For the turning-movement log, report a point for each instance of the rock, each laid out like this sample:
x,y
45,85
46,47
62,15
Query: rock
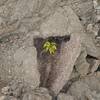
x,y
78,89
24,9
27,62
93,65
22,16
95,3
63,96
14,88
63,22
91,49
26,93
58,25
2,98
5,90
2,2
94,86
10,98
38,94
19,60
18,56
86,88
82,66
65,62
85,65
83,8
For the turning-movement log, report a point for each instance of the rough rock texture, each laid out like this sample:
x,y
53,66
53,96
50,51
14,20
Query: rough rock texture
x,y
82,66
62,70
18,60
83,8
38,94
26,68
63,96
63,22
20,92
86,88
22,21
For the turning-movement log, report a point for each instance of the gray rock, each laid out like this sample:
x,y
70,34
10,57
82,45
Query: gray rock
x,y
5,90
86,88
14,89
83,8
59,25
78,90
82,66
65,63
26,65
2,2
2,97
24,9
63,22
91,48
63,96
28,94
19,60
10,98
54,27
94,86
18,57
38,94
93,65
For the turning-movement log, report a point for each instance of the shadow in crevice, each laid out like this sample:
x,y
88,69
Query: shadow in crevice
x,y
46,62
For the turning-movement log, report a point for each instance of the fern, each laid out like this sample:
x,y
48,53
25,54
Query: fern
x,y
50,47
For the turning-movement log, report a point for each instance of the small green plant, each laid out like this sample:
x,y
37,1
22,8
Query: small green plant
x,y
50,47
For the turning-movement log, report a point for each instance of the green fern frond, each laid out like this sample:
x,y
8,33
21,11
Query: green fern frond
x,y
50,47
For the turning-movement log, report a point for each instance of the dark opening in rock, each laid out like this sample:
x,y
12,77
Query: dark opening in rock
x,y
45,60
92,61
98,35
80,18
91,57
98,69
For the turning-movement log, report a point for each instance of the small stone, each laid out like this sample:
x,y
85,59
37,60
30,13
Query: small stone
x,y
2,98
5,90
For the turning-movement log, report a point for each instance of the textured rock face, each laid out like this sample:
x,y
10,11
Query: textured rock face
x,y
21,21
63,22
24,9
61,72
18,57
63,96
86,88
26,61
83,8
82,66
19,61
38,94
28,94
23,16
